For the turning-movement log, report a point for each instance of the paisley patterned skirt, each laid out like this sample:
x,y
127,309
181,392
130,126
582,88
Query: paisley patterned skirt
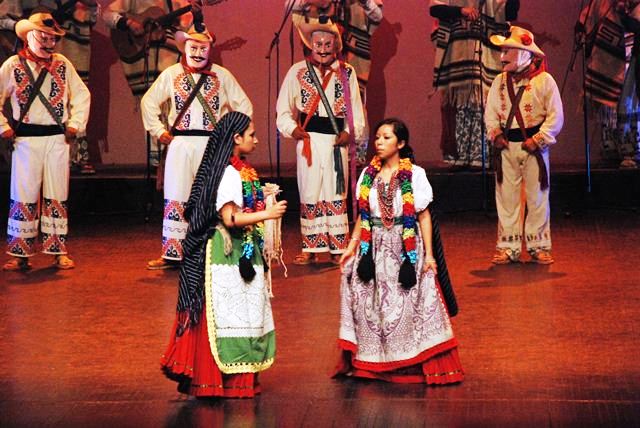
x,y
393,334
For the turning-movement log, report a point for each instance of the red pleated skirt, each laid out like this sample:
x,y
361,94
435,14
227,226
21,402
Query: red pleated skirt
x,y
188,361
439,365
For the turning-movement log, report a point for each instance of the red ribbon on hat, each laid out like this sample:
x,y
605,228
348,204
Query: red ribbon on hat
x,y
526,39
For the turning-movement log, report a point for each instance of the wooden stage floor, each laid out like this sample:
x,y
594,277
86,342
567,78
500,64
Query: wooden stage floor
x,y
541,346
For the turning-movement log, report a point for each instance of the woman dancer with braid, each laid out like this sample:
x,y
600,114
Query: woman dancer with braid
x,y
224,334
394,325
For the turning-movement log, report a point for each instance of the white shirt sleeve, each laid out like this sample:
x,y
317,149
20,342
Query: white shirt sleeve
x,y
554,119
492,109
236,97
5,91
357,108
422,191
230,189
79,99
359,183
158,93
286,110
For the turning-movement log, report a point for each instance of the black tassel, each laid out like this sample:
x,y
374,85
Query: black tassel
x,y
247,272
366,270
407,275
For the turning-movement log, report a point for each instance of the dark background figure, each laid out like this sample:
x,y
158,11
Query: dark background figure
x,y
465,65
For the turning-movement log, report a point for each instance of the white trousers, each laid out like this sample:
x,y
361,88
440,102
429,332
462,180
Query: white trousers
x,y
323,212
519,168
183,159
38,163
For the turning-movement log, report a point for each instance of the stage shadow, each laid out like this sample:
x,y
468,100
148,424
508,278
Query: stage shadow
x,y
35,276
157,274
514,275
228,45
384,46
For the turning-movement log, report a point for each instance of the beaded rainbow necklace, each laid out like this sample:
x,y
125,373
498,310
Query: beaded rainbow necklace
x,y
403,175
252,201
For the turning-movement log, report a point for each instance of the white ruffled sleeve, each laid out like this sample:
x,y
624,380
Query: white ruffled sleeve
x,y
230,189
359,183
422,191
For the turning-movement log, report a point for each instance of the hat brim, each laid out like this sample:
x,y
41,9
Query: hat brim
x,y
181,38
24,26
504,42
306,29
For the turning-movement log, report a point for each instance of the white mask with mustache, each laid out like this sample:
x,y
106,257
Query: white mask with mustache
x,y
515,60
41,49
197,53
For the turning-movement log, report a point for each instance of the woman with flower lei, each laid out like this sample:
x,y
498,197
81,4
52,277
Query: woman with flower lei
x,y
224,332
394,324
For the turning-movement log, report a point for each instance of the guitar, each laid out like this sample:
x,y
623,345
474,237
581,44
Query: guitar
x,y
132,48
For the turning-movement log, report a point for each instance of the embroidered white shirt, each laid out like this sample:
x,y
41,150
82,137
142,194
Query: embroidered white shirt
x,y
540,105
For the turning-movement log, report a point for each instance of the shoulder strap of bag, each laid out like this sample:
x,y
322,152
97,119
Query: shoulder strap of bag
x,y
515,102
39,94
32,96
192,96
205,105
323,97
515,106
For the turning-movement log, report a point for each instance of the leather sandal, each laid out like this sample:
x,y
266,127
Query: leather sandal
x,y
16,264
162,263
304,259
63,262
504,256
542,257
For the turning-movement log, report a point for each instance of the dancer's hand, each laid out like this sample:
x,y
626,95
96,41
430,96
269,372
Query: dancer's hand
x,y
70,135
349,252
136,28
277,210
470,13
7,138
430,264
299,133
166,138
342,139
500,142
529,145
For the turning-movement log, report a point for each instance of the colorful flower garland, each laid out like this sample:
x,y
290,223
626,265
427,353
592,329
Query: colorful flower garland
x,y
404,175
252,201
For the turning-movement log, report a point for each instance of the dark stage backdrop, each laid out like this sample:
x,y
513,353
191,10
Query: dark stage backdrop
x,y
400,81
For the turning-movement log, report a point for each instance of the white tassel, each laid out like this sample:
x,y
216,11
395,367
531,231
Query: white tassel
x,y
272,250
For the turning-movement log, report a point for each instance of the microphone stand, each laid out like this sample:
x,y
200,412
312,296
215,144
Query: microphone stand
x,y
483,140
275,43
580,45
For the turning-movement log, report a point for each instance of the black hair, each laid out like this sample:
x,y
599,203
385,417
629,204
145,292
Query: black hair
x,y
401,131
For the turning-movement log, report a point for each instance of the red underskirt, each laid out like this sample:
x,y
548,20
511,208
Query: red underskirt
x,y
436,366
188,361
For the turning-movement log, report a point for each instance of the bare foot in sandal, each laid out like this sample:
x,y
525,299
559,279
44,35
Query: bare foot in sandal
x,y
63,262
303,259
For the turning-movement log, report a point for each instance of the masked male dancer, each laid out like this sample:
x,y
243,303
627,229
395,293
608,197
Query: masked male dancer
x,y
523,117
50,105
323,135
357,21
193,115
